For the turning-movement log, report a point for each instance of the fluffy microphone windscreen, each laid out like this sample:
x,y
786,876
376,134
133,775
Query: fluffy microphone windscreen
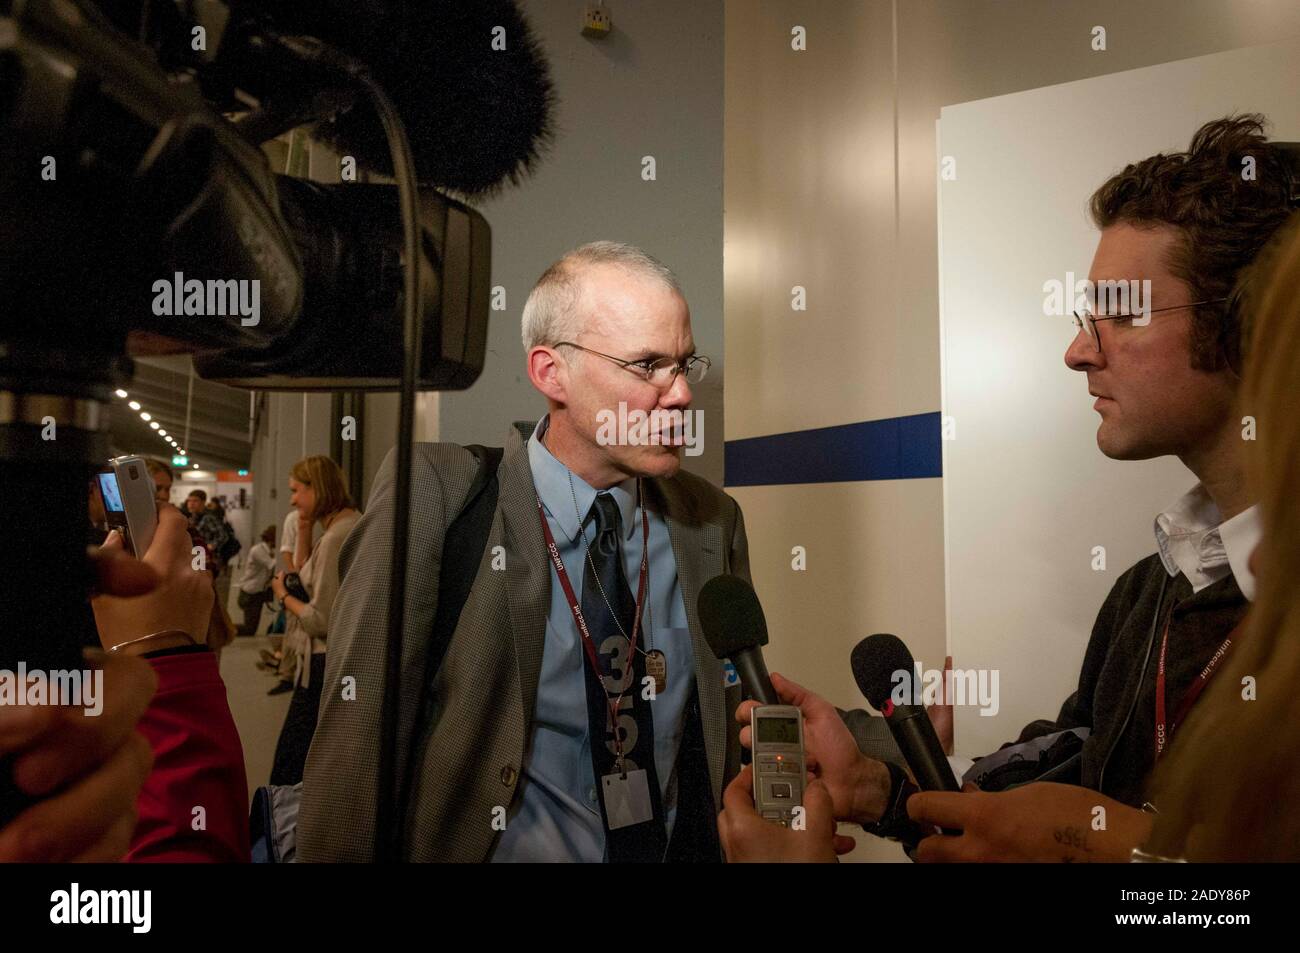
x,y
730,616
469,80
875,660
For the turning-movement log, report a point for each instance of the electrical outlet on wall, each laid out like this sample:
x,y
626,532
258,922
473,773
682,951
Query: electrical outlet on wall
x,y
595,20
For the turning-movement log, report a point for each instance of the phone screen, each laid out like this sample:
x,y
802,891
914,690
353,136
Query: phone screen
x,y
112,494
782,731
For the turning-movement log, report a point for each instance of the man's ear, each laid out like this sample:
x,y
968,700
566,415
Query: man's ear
x,y
548,372
1234,333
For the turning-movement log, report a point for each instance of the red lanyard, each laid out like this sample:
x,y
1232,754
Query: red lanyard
x,y
1193,690
587,642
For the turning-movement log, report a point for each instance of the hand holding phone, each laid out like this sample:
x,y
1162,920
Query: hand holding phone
x,y
182,600
126,489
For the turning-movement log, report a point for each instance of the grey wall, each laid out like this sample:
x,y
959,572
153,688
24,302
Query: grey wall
x,y
279,444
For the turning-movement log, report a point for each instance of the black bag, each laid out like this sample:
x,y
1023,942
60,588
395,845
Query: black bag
x,y
466,536
294,587
230,547
1054,757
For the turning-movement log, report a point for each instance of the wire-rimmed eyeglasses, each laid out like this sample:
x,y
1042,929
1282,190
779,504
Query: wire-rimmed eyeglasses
x,y
661,371
1087,322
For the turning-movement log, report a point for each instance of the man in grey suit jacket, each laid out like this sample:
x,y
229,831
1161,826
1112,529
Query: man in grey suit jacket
x,y
505,769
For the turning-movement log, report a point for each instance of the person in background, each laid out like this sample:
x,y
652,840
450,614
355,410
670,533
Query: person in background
x,y
254,583
289,560
214,515
205,530
162,479
319,492
203,525
198,761
294,553
222,544
195,503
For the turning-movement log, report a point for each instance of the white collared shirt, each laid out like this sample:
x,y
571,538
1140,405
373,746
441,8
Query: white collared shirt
x,y
1193,539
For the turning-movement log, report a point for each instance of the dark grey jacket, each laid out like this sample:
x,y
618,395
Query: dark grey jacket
x,y
1115,700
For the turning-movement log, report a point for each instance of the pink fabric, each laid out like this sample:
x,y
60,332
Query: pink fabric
x,y
198,763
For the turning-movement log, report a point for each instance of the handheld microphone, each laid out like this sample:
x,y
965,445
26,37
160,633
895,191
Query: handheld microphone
x,y
735,629
875,661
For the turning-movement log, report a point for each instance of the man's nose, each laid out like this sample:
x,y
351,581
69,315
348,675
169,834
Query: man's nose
x,y
1082,354
677,395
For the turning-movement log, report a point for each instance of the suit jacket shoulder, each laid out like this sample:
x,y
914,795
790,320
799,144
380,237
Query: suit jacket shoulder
x,y
698,499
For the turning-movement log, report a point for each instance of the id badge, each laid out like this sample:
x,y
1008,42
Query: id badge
x,y
627,799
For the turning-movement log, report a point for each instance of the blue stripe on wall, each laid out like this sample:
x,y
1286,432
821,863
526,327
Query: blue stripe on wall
x,y
898,448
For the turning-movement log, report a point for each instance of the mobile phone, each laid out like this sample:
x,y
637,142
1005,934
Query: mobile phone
x,y
779,768
126,488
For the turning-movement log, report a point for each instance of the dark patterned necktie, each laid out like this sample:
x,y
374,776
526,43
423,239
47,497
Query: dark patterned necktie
x,y
635,843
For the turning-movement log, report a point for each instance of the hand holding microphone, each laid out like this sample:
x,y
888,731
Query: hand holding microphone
x,y
775,792
863,789
1035,822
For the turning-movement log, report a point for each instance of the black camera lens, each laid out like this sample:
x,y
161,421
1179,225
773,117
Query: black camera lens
x,y
133,470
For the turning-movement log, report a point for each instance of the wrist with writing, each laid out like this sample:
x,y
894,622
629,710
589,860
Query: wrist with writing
x,y
872,785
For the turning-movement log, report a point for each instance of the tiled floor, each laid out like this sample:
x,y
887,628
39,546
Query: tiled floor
x,y
258,716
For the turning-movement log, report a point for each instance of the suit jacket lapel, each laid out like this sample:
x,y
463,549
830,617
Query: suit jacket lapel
x,y
697,547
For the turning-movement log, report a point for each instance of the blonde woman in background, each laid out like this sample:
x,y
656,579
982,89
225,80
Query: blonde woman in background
x,y
1229,786
319,493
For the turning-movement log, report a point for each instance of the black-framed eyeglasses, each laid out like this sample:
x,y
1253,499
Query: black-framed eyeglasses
x,y
660,371
1087,323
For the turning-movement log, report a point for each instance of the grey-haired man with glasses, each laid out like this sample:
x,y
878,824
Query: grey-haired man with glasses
x,y
577,714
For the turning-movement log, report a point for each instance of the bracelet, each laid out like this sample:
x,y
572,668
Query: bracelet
x,y
153,635
1139,856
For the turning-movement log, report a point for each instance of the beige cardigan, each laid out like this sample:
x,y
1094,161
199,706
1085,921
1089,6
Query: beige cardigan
x,y
320,577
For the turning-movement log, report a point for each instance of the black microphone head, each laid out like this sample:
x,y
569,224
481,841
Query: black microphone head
x,y
875,660
476,116
730,616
